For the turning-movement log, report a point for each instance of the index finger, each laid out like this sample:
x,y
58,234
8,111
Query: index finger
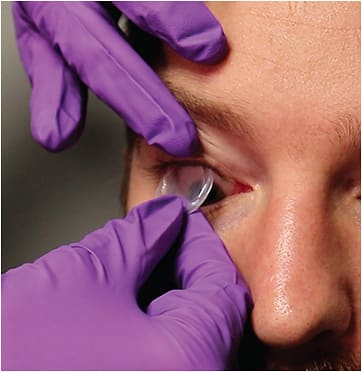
x,y
93,47
203,259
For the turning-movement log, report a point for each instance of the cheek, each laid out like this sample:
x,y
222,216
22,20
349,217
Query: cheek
x,y
233,222
227,215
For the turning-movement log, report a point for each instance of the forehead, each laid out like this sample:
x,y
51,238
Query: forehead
x,y
288,62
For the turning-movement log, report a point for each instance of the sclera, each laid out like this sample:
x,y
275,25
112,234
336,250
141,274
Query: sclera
x,y
192,182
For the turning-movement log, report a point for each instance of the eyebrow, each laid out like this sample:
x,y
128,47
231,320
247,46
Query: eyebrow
x,y
345,130
218,115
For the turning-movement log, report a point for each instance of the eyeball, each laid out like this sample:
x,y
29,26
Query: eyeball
x,y
193,183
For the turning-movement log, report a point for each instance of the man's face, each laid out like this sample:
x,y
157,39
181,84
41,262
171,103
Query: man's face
x,y
278,121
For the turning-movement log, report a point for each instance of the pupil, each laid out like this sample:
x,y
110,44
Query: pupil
x,y
215,195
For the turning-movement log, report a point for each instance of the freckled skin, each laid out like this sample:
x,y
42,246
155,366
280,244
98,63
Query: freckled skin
x,y
295,68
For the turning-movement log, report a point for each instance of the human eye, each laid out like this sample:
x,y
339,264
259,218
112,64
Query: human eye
x,y
216,194
188,177
222,188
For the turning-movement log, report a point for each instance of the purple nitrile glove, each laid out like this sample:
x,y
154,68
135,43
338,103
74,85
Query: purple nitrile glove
x,y
75,308
68,46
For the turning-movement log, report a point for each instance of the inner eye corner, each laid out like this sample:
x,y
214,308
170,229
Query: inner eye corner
x,y
242,188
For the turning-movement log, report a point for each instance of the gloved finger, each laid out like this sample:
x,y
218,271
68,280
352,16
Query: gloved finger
x,y
128,249
212,308
202,259
190,29
58,98
89,41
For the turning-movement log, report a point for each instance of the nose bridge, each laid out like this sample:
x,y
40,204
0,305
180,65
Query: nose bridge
x,y
296,244
295,291
293,227
284,246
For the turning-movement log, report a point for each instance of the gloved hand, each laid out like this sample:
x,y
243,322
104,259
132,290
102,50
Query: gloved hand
x,y
75,308
68,46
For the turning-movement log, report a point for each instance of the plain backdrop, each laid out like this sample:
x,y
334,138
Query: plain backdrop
x,y
52,199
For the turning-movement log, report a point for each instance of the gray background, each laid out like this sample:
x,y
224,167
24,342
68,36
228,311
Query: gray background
x,y
52,199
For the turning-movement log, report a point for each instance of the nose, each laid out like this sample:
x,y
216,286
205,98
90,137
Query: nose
x,y
296,270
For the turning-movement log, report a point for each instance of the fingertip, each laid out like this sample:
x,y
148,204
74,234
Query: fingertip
x,y
211,46
219,51
179,144
54,129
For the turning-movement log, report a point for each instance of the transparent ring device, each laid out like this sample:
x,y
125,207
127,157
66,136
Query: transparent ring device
x,y
193,183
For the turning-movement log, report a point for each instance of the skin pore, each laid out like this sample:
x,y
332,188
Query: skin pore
x,y
278,121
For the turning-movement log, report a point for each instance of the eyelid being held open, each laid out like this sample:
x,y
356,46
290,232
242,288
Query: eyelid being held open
x,y
228,204
229,212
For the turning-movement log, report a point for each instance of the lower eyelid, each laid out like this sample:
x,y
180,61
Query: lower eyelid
x,y
230,211
212,210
